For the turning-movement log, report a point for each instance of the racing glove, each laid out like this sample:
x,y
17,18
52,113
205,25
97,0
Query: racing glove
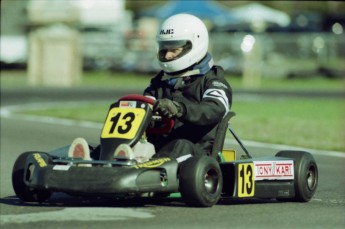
x,y
168,108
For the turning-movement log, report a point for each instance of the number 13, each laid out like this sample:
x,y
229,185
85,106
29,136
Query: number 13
x,y
245,180
122,123
122,129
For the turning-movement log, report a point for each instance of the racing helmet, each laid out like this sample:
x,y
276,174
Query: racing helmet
x,y
181,31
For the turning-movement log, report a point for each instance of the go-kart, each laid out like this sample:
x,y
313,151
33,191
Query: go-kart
x,y
200,181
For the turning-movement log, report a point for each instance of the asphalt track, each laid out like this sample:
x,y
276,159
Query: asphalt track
x,y
23,133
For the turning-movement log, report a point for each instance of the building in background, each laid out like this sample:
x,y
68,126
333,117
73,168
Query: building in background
x,y
102,25
118,38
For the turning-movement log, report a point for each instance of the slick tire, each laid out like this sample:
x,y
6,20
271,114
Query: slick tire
x,y
23,192
306,174
201,181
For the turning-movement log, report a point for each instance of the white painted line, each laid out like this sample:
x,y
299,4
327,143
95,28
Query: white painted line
x,y
78,214
278,147
9,112
40,106
54,121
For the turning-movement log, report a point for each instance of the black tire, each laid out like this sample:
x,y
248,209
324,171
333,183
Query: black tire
x,y
201,181
24,192
306,174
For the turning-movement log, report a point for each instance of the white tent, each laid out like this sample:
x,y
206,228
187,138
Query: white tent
x,y
258,13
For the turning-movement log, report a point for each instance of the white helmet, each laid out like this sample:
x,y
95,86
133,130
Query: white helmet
x,y
182,31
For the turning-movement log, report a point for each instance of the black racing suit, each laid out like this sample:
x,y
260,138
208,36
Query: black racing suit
x,y
206,99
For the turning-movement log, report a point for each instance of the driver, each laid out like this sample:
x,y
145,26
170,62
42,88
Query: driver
x,y
189,88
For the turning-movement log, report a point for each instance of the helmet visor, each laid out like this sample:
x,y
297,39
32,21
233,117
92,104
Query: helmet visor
x,y
172,50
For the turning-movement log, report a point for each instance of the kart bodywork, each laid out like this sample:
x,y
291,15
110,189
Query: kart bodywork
x,y
202,181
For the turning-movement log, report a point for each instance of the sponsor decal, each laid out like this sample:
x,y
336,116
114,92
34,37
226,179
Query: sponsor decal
x,y
61,167
274,170
152,163
40,160
218,84
167,31
128,104
183,158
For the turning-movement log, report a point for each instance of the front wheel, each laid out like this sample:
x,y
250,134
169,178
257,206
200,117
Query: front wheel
x,y
201,181
306,174
24,192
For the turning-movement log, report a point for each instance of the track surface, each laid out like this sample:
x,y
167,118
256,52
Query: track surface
x,y
325,210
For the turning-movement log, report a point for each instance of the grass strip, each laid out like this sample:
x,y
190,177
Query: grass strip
x,y
310,123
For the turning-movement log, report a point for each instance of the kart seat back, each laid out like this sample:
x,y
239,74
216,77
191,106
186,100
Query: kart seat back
x,y
221,133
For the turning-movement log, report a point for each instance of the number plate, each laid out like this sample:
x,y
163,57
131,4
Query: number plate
x,y
246,184
123,122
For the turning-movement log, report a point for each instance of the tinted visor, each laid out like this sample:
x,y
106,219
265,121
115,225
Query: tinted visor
x,y
172,50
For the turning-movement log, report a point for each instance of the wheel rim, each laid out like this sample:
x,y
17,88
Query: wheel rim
x,y
211,181
311,178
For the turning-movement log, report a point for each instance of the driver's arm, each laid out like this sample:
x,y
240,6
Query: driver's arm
x,y
214,105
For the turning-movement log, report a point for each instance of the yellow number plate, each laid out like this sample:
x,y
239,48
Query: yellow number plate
x,y
123,122
246,184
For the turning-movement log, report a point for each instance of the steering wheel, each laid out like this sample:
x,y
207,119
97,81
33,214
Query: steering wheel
x,y
136,97
167,123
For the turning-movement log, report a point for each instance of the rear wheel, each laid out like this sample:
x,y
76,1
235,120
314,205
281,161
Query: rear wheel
x,y
24,192
201,181
306,174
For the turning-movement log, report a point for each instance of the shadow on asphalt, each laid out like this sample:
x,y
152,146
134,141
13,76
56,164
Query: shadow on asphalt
x,y
64,200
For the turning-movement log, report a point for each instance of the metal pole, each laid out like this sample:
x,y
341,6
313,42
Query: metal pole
x,y
239,142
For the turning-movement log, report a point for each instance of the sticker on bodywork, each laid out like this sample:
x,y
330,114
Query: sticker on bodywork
x,y
40,161
128,104
245,178
274,170
61,167
123,122
152,163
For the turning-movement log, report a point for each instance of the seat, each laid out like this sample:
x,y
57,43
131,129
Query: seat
x,y
220,135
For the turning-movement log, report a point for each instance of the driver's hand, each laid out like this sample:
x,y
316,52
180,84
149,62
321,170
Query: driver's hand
x,y
168,108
